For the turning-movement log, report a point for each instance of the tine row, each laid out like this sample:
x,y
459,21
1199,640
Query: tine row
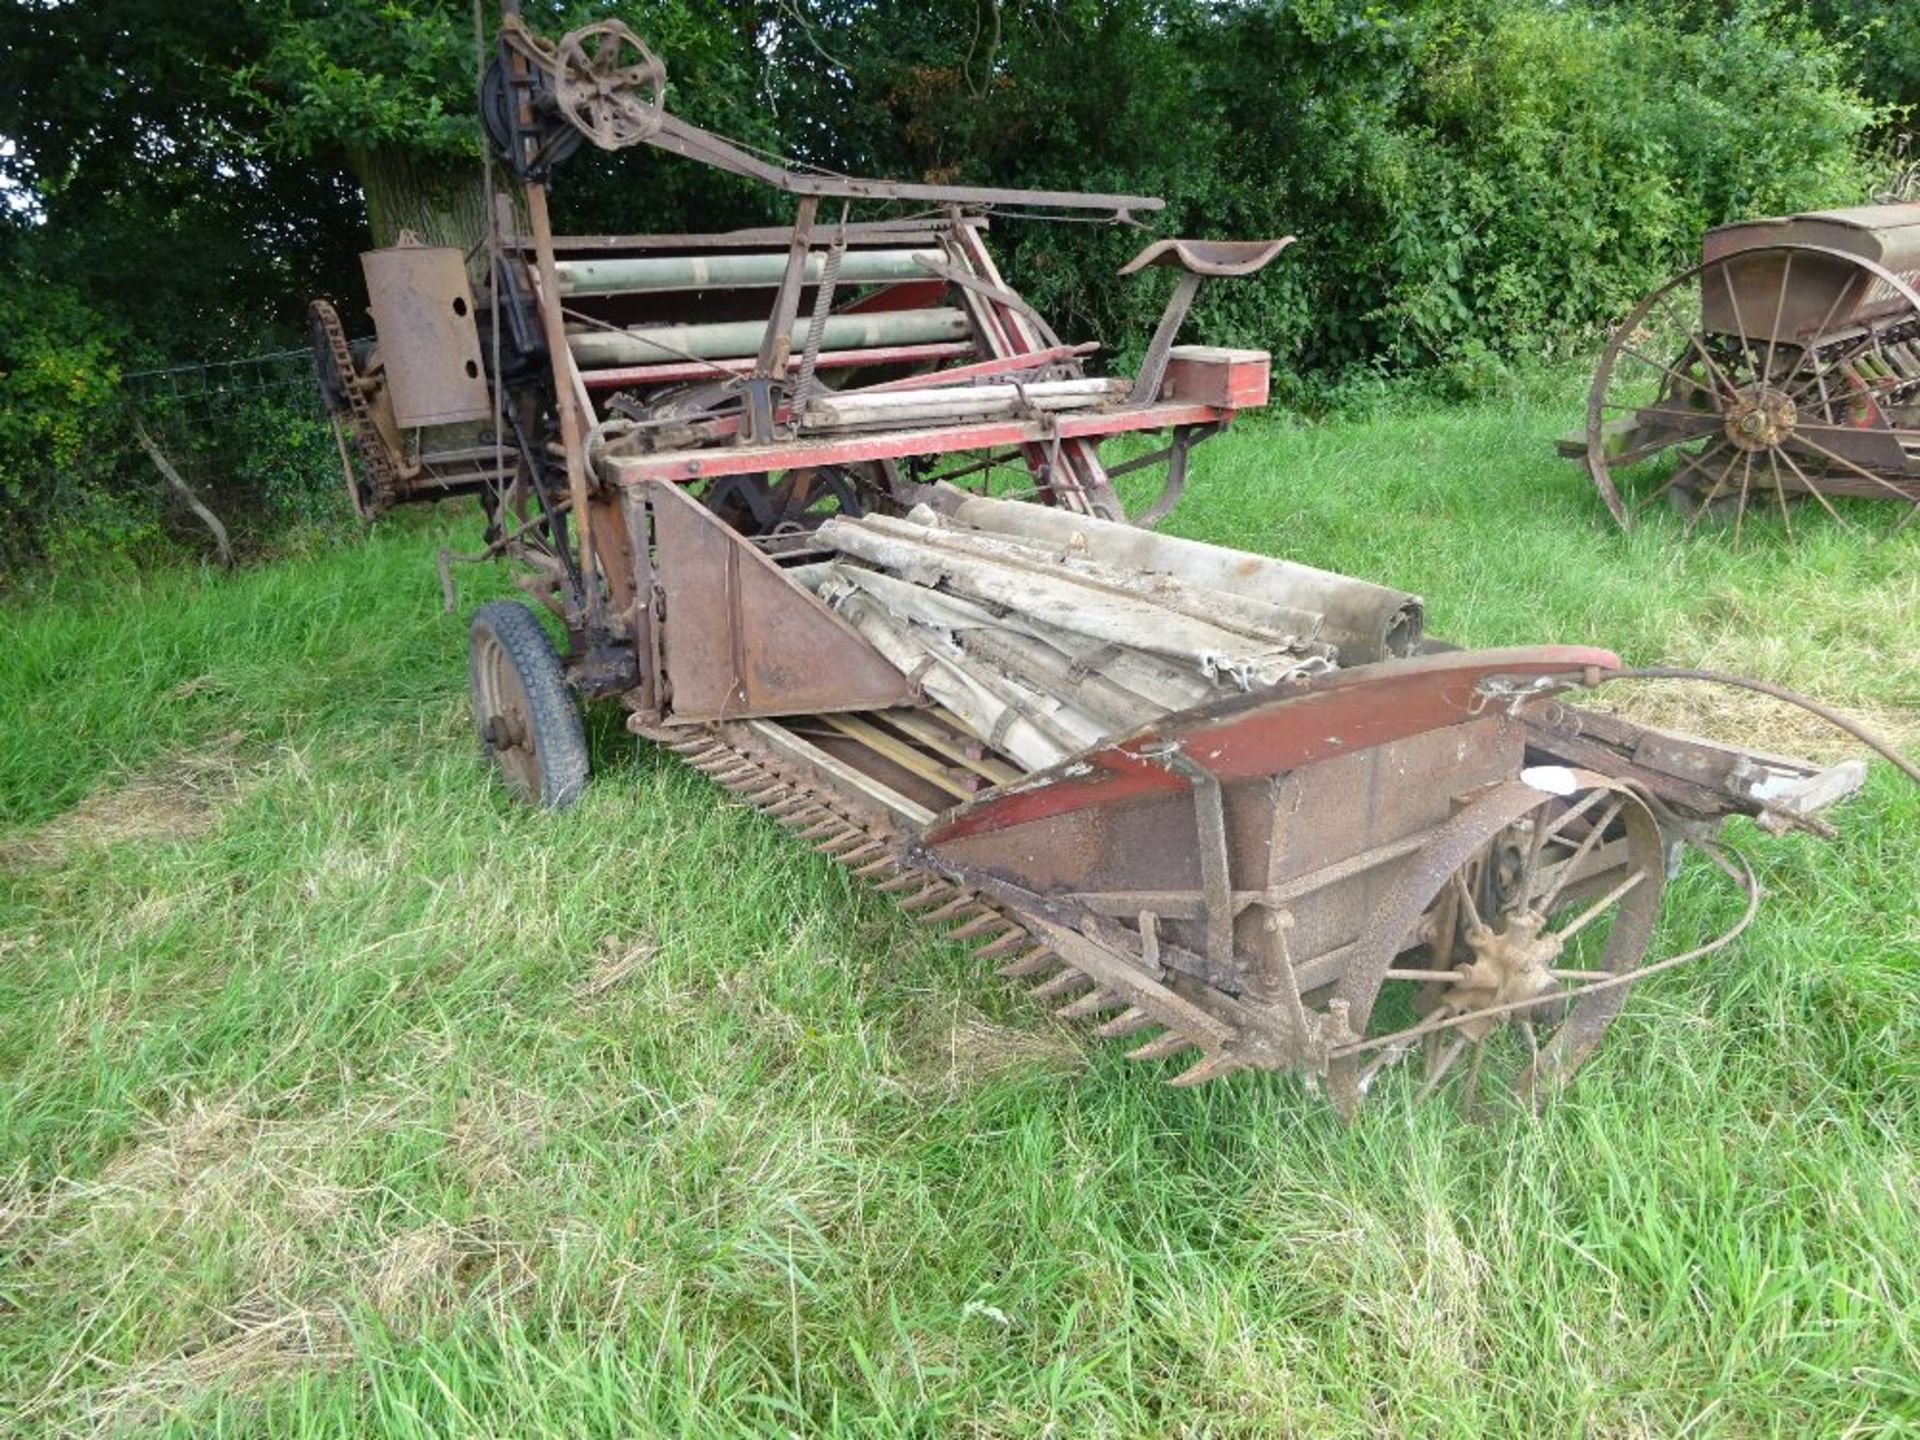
x,y
1130,1021
940,902
1210,1068
1170,1043
1033,961
1097,1003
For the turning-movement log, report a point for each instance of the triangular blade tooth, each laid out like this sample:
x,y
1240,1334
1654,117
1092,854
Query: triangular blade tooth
x,y
906,880
828,826
1031,963
1131,1022
979,925
930,895
1064,983
762,794
1161,1046
1210,1068
836,848
864,851
1087,1005
952,910
1001,944
788,807
875,867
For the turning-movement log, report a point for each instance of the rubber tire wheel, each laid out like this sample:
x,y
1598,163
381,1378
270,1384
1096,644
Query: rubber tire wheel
x,y
515,678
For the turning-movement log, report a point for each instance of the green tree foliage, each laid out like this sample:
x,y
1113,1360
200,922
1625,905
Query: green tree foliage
x,y
1474,182
57,407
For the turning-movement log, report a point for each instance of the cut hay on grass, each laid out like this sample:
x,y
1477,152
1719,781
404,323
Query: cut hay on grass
x,y
176,799
342,1097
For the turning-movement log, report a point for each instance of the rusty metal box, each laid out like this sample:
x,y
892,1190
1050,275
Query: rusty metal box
x,y
429,343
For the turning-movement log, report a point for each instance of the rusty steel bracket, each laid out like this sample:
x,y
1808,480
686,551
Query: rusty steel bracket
x,y
1174,456
778,340
1210,825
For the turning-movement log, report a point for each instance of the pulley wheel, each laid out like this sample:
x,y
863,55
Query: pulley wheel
x,y
611,88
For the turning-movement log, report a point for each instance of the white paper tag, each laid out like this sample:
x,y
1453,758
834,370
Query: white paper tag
x,y
1553,779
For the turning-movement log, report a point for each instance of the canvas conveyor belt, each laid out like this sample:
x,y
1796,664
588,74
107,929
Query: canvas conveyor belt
x,y
755,762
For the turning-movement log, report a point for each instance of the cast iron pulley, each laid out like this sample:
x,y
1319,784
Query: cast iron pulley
x,y
522,118
610,87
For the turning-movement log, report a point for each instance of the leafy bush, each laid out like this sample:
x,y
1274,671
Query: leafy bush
x,y
1477,182
61,428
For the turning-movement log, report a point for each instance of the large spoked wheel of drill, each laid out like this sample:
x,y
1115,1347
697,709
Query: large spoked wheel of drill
x,y
1516,909
1761,377
611,88
523,712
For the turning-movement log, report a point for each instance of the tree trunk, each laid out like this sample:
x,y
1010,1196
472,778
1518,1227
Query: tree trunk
x,y
441,200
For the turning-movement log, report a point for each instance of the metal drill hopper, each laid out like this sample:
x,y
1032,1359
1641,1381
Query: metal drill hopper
x,y
1785,366
824,507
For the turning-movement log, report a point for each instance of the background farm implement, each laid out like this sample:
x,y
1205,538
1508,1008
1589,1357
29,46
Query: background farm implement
x,y
1785,366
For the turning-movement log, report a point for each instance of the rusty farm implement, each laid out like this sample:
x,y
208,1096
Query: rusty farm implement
x,y
1784,366
824,507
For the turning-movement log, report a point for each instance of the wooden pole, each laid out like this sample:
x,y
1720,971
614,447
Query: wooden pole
x,y
573,440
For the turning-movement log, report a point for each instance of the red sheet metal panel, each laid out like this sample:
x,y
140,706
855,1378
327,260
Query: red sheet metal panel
x,y
1329,715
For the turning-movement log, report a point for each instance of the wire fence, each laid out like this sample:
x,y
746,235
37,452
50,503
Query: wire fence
x,y
247,439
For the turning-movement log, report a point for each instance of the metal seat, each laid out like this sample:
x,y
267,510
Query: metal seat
x,y
1200,260
1211,258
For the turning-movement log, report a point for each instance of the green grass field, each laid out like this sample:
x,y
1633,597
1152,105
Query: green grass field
x,y
338,1096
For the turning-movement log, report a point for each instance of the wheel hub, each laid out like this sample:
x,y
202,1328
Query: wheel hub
x,y
1761,418
504,732
1512,963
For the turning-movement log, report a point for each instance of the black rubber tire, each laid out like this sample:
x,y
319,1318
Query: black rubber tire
x,y
525,717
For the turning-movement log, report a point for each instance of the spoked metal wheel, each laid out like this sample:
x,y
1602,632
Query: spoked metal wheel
x,y
1761,377
1480,967
523,712
611,88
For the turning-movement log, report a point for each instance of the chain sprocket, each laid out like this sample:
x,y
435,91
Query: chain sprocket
x,y
346,393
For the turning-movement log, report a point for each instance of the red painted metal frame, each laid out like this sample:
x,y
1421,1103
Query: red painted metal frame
x,y
896,444
1330,715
